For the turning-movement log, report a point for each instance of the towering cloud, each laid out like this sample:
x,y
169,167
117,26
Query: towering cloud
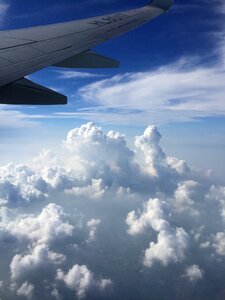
x,y
149,144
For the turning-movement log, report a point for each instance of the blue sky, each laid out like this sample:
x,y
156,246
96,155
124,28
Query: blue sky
x,y
177,59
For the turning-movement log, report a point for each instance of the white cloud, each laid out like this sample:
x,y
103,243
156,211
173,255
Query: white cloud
x,y
179,165
100,155
217,195
47,227
93,226
39,259
55,294
170,248
46,155
194,273
26,290
151,213
171,242
183,201
20,184
180,91
76,74
149,144
40,238
95,191
81,279
219,243
57,177
175,92
10,118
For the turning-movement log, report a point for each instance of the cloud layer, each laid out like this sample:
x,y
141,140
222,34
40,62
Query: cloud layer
x,y
99,220
176,92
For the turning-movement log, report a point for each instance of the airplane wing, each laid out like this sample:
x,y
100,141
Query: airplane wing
x,y
67,45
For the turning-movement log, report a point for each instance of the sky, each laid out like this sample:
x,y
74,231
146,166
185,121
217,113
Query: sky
x,y
175,64
120,194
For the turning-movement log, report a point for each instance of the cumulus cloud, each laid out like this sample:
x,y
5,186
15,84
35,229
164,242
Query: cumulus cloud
x,y
93,226
105,156
26,290
183,201
95,190
21,185
179,165
217,195
39,259
171,242
194,273
55,294
219,243
170,247
81,279
153,153
48,226
98,211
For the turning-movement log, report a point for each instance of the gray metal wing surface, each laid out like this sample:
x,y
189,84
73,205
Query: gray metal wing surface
x,y
25,51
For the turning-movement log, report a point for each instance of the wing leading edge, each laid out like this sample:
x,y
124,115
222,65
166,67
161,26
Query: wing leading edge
x,y
25,51
88,59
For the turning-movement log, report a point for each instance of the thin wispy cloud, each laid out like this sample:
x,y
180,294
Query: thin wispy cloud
x,y
4,6
182,91
173,92
14,118
78,75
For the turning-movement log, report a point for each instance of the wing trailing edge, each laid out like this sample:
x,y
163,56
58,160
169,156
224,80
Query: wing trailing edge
x,y
26,92
88,59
